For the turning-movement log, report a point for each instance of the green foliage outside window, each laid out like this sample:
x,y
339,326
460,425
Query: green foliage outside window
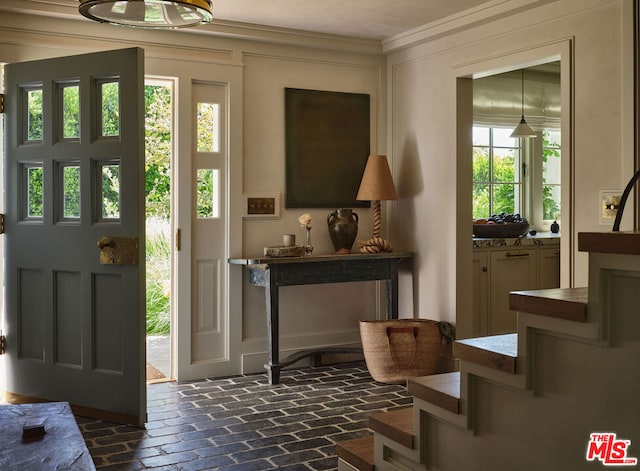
x,y
34,192
34,115
206,123
71,112
157,100
495,180
550,201
158,126
205,193
111,191
71,186
110,108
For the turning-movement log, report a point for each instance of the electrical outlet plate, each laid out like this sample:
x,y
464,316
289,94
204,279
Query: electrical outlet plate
x,y
609,201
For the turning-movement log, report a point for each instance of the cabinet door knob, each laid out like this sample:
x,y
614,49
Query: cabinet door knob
x,y
485,269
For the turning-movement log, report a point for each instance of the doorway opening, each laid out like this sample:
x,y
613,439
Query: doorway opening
x,y
158,157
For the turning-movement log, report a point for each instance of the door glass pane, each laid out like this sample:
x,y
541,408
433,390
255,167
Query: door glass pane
x,y
34,186
110,191
110,108
207,193
70,112
34,129
71,191
208,128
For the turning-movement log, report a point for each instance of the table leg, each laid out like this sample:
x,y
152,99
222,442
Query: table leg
x,y
392,291
273,366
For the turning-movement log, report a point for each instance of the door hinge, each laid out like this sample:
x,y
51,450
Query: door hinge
x,y
178,239
1,223
1,343
1,103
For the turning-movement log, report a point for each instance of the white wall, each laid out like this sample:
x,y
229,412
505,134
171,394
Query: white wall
x,y
433,173
310,316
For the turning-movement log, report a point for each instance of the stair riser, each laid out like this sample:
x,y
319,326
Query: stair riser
x,y
428,408
391,456
344,466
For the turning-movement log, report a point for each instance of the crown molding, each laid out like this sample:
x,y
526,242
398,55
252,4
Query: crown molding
x,y
68,9
485,13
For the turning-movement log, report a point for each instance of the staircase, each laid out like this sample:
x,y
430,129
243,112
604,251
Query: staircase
x,y
530,400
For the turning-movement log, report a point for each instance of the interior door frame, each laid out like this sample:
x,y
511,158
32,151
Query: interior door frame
x,y
464,75
182,171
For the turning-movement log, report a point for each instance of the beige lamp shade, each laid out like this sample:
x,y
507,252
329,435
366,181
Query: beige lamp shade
x,y
377,183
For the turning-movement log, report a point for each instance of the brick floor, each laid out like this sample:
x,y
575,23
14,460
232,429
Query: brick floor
x,y
243,423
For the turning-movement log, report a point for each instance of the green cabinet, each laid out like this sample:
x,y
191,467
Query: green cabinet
x,y
499,270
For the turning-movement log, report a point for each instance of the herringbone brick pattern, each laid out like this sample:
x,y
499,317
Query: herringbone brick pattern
x,y
243,423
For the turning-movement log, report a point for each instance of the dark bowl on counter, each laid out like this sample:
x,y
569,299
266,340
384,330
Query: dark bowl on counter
x,y
500,231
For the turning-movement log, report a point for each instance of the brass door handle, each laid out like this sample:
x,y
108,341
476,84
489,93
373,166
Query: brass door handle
x,y
118,250
105,242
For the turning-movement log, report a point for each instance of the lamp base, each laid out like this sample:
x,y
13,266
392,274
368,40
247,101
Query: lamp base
x,y
375,245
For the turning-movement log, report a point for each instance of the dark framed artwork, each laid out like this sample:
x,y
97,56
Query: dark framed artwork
x,y
327,136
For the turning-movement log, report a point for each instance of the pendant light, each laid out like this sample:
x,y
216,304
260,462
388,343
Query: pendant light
x,y
523,129
148,13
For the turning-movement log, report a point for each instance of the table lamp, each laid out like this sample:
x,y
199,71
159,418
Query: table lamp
x,y
376,185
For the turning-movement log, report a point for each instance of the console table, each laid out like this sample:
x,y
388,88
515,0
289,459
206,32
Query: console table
x,y
271,273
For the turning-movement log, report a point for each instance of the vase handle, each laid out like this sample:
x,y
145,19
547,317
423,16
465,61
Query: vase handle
x,y
331,215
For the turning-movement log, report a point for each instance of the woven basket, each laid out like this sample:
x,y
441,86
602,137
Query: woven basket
x,y
395,350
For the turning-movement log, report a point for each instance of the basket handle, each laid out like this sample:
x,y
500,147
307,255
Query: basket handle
x,y
402,347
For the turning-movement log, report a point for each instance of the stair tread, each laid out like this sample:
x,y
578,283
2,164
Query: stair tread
x,y
627,243
358,452
396,425
496,351
561,303
443,390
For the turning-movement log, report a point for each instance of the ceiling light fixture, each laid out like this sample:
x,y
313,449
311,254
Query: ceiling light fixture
x,y
523,129
148,13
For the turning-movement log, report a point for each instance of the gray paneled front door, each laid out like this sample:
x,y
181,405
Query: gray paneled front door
x,y
74,182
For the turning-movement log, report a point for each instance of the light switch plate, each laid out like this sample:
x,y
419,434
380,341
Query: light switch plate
x,y
261,205
609,201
